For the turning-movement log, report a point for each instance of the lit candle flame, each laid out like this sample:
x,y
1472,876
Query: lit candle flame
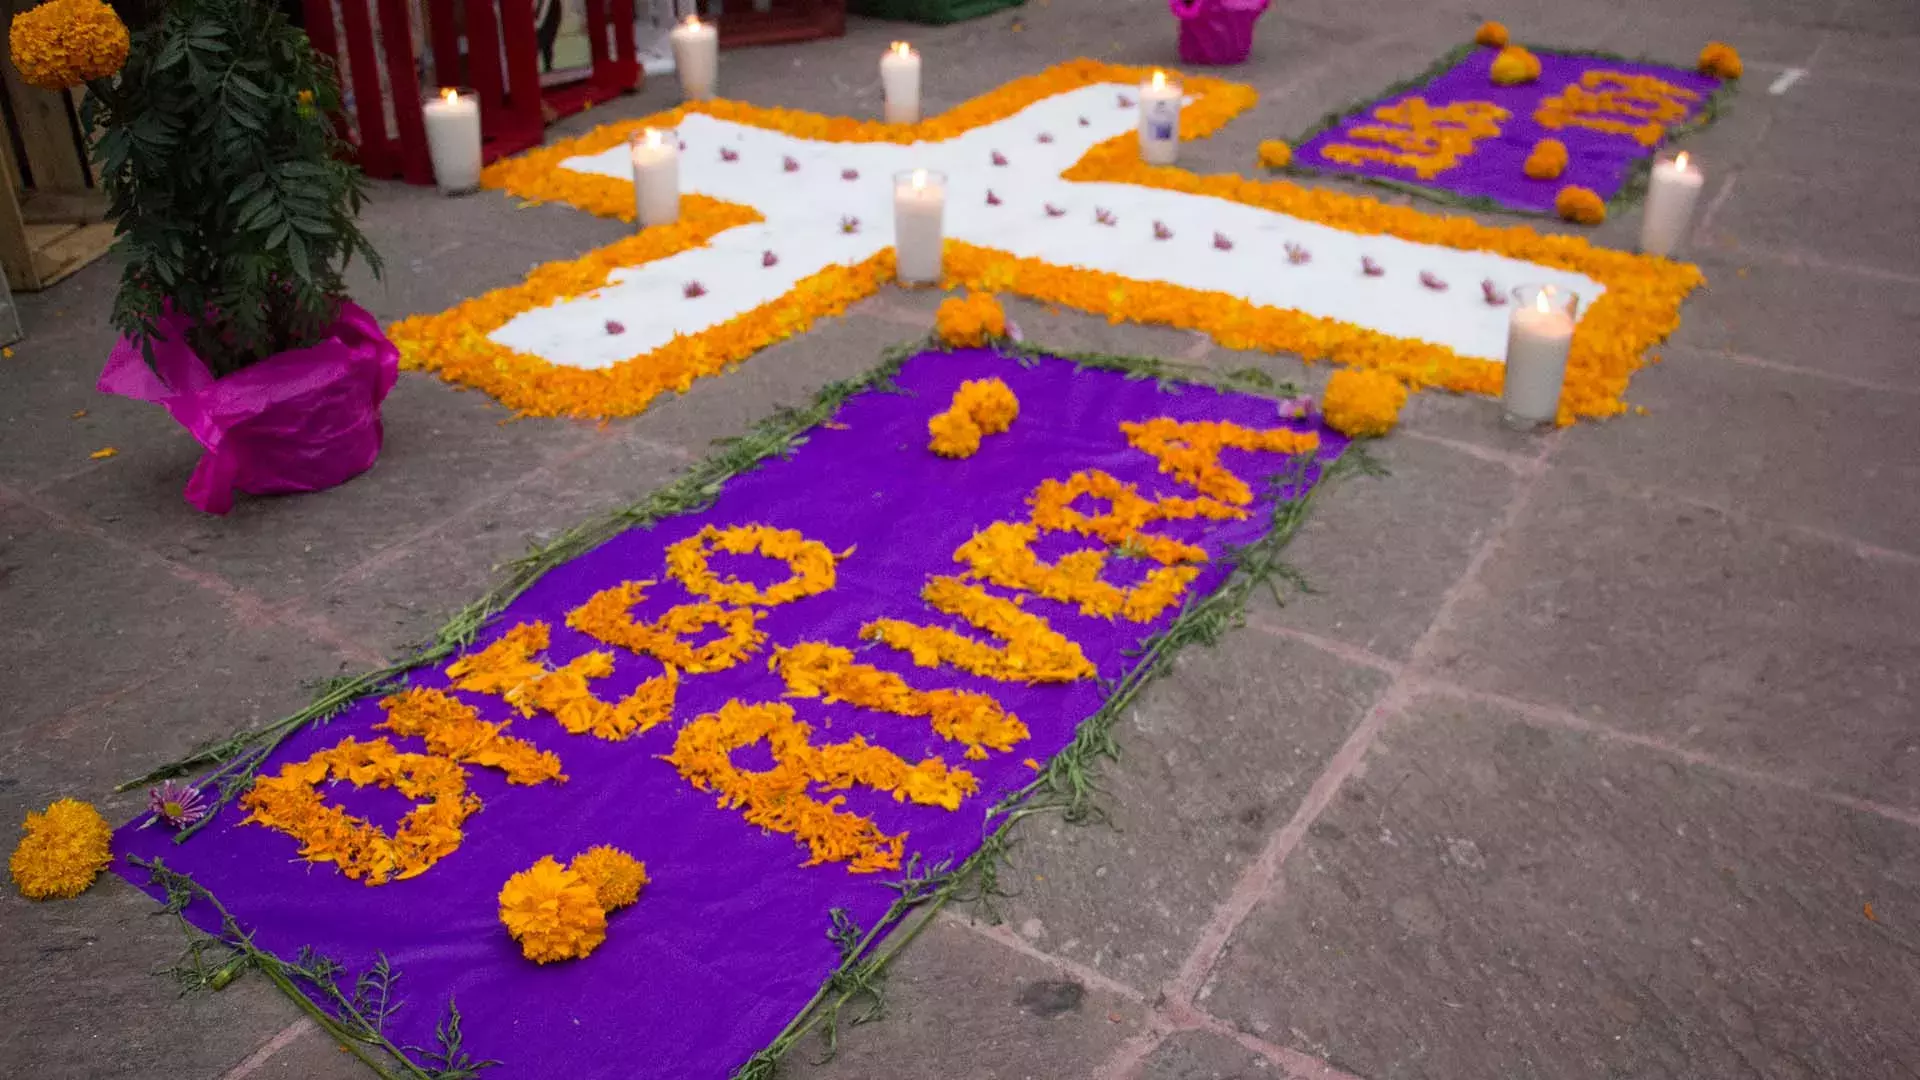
x,y
901,48
919,179
449,95
1540,301
1159,80
691,22
653,137
1680,162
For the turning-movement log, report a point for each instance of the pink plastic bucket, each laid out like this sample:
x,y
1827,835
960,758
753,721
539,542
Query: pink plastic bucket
x,y
1216,32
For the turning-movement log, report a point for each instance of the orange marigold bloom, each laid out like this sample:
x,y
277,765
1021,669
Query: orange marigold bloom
x,y
552,912
980,407
1491,34
969,322
1720,60
64,849
292,803
1515,65
811,561
1547,161
1362,403
1275,154
1033,651
616,876
777,799
815,669
63,43
954,435
1580,205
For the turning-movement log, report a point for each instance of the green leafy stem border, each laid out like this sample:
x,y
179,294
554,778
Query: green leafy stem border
x,y
1066,785
1632,189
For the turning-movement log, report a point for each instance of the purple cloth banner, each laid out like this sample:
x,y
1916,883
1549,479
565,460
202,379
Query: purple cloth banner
x,y
730,939
1494,169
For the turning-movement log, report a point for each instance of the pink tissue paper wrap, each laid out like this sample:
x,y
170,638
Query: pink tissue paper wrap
x,y
303,420
1216,32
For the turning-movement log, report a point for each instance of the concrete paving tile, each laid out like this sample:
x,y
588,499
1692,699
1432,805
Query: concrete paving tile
x,y
1824,123
1762,647
84,1000
83,302
1886,18
402,599
1214,759
1431,513
790,373
311,1056
1050,327
69,637
1201,1055
961,1005
1882,57
1790,447
1768,35
1857,326
445,451
50,377
1853,220
1488,898
199,693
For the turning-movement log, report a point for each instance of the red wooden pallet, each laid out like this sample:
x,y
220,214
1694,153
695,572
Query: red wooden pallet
x,y
501,64
787,21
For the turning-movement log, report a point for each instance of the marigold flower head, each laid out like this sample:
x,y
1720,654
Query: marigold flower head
x,y
616,876
1720,60
1491,34
1580,205
989,402
553,912
64,849
1275,154
1515,65
954,435
63,43
1547,161
1360,402
971,321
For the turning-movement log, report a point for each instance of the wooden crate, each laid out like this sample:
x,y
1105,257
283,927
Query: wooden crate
x,y
489,46
740,22
52,214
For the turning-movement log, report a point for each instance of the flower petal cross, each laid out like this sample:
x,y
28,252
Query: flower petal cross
x,y
542,349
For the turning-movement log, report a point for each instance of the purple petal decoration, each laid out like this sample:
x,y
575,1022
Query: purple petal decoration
x,y
1371,268
1492,292
614,327
1428,279
1494,169
1220,241
730,941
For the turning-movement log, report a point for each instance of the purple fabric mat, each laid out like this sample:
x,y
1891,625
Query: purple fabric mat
x,y
1596,160
730,939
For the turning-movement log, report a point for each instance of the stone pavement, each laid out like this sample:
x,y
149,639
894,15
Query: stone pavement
x,y
1586,758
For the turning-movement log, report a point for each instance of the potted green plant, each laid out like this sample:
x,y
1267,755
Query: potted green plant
x,y
235,212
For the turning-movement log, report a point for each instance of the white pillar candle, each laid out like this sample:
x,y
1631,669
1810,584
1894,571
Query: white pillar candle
x,y
900,78
656,177
919,209
1671,192
696,56
1539,334
453,140
1160,120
